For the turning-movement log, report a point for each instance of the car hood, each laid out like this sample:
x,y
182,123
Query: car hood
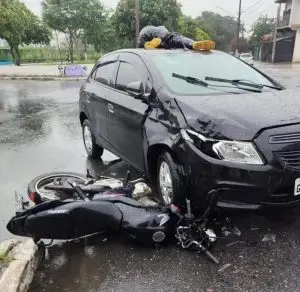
x,y
240,116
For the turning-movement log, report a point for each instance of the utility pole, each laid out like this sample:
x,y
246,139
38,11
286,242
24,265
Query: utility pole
x,y
137,19
238,28
275,33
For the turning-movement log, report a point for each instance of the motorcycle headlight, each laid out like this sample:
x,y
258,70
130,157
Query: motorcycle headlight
x,y
232,151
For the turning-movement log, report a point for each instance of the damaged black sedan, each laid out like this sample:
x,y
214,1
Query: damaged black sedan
x,y
195,123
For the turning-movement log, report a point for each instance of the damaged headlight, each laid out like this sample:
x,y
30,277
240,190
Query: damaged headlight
x,y
233,151
241,152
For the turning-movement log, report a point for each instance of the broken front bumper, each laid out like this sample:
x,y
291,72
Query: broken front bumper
x,y
240,186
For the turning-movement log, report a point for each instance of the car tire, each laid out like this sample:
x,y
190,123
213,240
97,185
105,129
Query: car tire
x,y
169,176
92,149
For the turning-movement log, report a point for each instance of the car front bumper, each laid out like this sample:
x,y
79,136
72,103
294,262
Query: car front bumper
x,y
239,186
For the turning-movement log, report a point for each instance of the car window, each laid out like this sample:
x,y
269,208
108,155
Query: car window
x,y
126,74
136,65
104,73
200,65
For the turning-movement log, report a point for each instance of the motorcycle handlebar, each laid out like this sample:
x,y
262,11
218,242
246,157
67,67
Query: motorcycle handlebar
x,y
79,191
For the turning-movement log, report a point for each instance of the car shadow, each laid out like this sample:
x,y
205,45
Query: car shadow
x,y
115,168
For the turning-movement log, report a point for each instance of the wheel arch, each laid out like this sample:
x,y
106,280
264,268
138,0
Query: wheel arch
x,y
153,153
82,117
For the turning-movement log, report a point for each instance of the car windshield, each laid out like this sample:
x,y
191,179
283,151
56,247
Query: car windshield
x,y
248,55
200,65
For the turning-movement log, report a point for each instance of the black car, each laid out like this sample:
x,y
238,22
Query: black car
x,y
195,123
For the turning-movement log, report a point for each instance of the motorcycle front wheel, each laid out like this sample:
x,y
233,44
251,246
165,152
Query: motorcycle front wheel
x,y
36,188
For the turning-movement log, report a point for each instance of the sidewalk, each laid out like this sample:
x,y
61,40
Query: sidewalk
x,y
43,72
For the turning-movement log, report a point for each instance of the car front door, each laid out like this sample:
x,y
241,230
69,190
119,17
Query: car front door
x,y
125,113
98,90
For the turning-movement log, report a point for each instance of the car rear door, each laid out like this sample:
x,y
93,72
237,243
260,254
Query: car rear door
x,y
125,113
98,88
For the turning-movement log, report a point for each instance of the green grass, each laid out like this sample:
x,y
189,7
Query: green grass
x,y
4,258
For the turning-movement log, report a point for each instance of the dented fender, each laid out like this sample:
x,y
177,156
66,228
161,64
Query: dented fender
x,y
162,131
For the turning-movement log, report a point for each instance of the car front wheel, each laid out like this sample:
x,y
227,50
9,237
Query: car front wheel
x,y
92,149
170,184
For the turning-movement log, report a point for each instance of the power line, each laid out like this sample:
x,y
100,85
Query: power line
x,y
218,7
250,7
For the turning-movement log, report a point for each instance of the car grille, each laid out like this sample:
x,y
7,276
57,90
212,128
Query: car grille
x,y
289,159
285,138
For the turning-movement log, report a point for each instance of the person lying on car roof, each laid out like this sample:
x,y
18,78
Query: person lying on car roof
x,y
152,37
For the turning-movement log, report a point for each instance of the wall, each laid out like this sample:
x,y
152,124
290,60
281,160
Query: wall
x,y
296,57
289,4
295,15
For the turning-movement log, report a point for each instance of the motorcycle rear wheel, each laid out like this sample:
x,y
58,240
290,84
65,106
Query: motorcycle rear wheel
x,y
36,186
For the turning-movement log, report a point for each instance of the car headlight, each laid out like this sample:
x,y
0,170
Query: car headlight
x,y
240,152
233,151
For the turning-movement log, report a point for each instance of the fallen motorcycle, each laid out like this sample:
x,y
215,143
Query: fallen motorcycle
x,y
56,186
83,215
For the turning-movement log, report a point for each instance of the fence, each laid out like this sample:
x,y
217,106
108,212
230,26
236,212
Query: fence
x,y
47,55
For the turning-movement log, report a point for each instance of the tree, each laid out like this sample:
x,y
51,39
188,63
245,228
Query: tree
x,y
72,17
221,29
191,28
159,12
262,26
101,34
19,26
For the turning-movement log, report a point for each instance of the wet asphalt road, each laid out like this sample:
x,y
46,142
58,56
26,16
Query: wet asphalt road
x,y
40,132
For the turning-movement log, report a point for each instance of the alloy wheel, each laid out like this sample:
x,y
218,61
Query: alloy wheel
x,y
87,137
165,183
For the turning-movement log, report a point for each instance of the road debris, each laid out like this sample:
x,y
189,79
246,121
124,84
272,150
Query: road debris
x,y
269,237
236,231
227,229
223,268
234,243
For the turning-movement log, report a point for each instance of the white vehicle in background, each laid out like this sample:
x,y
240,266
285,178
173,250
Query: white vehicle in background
x,y
247,57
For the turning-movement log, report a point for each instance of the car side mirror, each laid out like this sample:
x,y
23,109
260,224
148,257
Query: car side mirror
x,y
136,89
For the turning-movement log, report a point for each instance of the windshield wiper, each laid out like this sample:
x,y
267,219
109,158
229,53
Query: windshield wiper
x,y
241,82
190,79
196,81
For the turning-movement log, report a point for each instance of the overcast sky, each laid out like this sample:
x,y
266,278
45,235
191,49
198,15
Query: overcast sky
x,y
251,9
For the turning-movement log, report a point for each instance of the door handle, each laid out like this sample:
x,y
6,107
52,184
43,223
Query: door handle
x,y
110,108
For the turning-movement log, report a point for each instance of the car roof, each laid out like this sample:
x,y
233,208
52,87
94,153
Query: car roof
x,y
144,52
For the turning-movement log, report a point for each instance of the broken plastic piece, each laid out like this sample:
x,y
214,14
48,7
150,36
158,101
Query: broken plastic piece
x,y
226,233
269,237
236,231
223,268
233,243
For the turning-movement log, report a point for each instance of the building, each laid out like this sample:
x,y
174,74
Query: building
x,y
288,31
3,43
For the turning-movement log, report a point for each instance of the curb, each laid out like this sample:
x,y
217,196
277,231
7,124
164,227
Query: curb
x,y
19,274
42,78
